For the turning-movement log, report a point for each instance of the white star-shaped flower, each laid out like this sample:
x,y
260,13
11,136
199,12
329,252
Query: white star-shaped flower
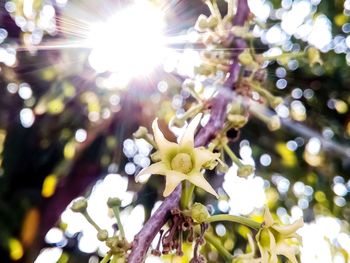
x,y
273,239
181,161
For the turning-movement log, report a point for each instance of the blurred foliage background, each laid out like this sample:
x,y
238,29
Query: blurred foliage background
x,y
65,128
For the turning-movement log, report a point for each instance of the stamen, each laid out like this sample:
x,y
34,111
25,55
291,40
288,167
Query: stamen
x,y
156,251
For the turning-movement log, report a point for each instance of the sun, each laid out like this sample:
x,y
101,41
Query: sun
x,y
131,42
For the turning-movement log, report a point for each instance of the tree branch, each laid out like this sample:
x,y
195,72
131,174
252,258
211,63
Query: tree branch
x,y
219,104
144,238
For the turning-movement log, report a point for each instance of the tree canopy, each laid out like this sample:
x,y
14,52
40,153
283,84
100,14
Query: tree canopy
x,y
174,131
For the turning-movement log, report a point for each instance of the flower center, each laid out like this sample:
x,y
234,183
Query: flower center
x,y
182,163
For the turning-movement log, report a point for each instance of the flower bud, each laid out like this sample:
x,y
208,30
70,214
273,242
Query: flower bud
x,y
276,101
140,133
274,123
155,157
212,22
314,56
112,242
113,201
210,165
237,121
199,213
227,20
245,170
177,122
116,245
222,168
245,58
208,39
284,59
188,83
202,23
235,108
205,69
239,31
102,235
79,206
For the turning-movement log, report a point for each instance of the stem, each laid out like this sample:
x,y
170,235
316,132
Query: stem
x,y
214,10
183,203
231,154
91,221
106,257
116,212
289,55
230,6
262,92
190,193
193,110
218,14
188,196
195,95
260,115
236,219
210,238
251,45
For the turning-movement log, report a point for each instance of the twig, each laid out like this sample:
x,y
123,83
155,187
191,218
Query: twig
x,y
340,149
217,244
218,104
236,219
144,238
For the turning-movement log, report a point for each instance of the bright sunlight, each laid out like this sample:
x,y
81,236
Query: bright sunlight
x,y
131,42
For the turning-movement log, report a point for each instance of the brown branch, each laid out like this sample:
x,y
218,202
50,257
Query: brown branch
x,y
219,104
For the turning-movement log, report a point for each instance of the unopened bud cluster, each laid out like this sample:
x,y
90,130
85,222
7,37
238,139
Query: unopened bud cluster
x,y
117,244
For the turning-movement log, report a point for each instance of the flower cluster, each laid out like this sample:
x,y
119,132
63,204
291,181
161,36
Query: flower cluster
x,y
117,244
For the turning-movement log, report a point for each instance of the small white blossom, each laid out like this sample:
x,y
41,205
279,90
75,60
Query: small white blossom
x,y
181,161
274,239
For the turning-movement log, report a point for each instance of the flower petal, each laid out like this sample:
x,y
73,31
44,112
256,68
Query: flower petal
x,y
187,139
172,179
156,168
288,252
297,237
164,146
288,230
268,220
198,180
251,244
273,258
202,156
264,254
273,248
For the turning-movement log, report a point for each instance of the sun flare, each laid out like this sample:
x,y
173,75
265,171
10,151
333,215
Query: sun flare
x,y
131,42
